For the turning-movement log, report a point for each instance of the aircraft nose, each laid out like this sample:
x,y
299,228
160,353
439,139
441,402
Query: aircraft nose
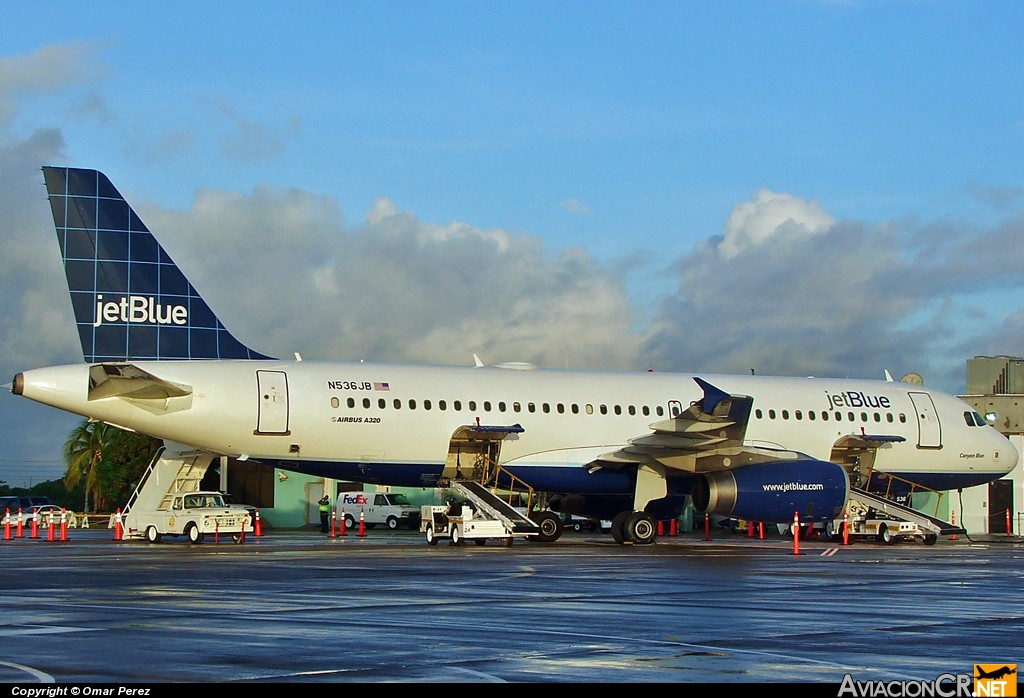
x,y
1006,455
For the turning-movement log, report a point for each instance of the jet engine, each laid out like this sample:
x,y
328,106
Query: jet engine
x,y
774,491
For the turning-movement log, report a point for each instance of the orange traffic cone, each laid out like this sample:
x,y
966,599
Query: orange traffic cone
x,y
673,528
21,525
49,528
63,524
34,533
362,524
334,523
953,537
7,524
259,528
118,527
341,523
796,532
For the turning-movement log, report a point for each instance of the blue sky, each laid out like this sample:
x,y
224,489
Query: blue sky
x,y
803,188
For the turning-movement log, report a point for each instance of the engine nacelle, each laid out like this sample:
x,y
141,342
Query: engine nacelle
x,y
773,492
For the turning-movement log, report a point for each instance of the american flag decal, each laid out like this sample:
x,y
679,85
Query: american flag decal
x,y
377,385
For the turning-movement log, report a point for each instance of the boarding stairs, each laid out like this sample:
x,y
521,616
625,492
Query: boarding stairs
x,y
491,504
171,472
901,512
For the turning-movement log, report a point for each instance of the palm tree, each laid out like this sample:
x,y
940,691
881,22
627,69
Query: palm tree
x,y
82,451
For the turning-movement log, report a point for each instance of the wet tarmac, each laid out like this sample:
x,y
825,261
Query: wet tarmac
x,y
299,606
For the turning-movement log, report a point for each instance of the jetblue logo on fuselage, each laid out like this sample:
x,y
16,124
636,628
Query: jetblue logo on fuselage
x,y
138,310
855,398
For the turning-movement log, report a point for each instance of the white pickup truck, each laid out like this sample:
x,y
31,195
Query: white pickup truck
x,y
196,515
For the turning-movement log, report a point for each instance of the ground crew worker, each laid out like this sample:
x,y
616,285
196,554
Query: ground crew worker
x,y
325,512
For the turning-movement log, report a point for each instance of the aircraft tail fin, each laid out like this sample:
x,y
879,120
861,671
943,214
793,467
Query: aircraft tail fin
x,y
130,300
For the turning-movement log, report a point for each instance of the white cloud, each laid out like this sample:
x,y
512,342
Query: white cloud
x,y
768,216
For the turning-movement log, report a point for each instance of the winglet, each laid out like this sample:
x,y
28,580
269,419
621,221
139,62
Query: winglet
x,y
712,395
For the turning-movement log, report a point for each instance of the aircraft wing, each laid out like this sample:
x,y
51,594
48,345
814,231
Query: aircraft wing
x,y
705,437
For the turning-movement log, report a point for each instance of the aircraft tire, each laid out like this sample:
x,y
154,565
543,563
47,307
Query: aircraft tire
x,y
640,528
619,526
550,526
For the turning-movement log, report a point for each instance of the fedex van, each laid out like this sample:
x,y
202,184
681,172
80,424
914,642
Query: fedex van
x,y
383,508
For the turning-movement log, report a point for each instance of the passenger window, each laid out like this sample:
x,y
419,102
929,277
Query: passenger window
x,y
412,404
398,404
442,405
560,408
487,405
382,403
366,403
351,402
660,411
472,405
632,410
618,409
545,408
575,408
530,407
604,409
589,409
501,406
757,413
426,404
771,414
785,414
646,411
798,415
457,405
878,417
335,403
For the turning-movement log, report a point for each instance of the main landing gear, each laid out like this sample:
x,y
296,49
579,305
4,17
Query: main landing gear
x,y
636,527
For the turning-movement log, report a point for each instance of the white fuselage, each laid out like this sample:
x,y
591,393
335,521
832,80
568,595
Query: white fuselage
x,y
401,417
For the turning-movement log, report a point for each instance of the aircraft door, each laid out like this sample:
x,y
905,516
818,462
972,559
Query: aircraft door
x,y
929,433
273,405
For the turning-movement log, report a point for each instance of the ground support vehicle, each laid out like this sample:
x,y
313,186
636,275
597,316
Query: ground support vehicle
x,y
195,515
866,522
472,512
377,508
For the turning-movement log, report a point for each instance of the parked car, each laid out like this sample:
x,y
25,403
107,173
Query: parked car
x,y
229,499
44,511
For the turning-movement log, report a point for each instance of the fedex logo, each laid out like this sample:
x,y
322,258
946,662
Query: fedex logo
x,y
355,499
139,309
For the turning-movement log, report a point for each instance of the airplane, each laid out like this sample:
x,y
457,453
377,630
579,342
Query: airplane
x,y
996,673
630,447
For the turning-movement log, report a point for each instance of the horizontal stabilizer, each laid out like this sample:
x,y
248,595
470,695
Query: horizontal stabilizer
x,y
129,381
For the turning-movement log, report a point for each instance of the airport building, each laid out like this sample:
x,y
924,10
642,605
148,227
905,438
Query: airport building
x,y
995,388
